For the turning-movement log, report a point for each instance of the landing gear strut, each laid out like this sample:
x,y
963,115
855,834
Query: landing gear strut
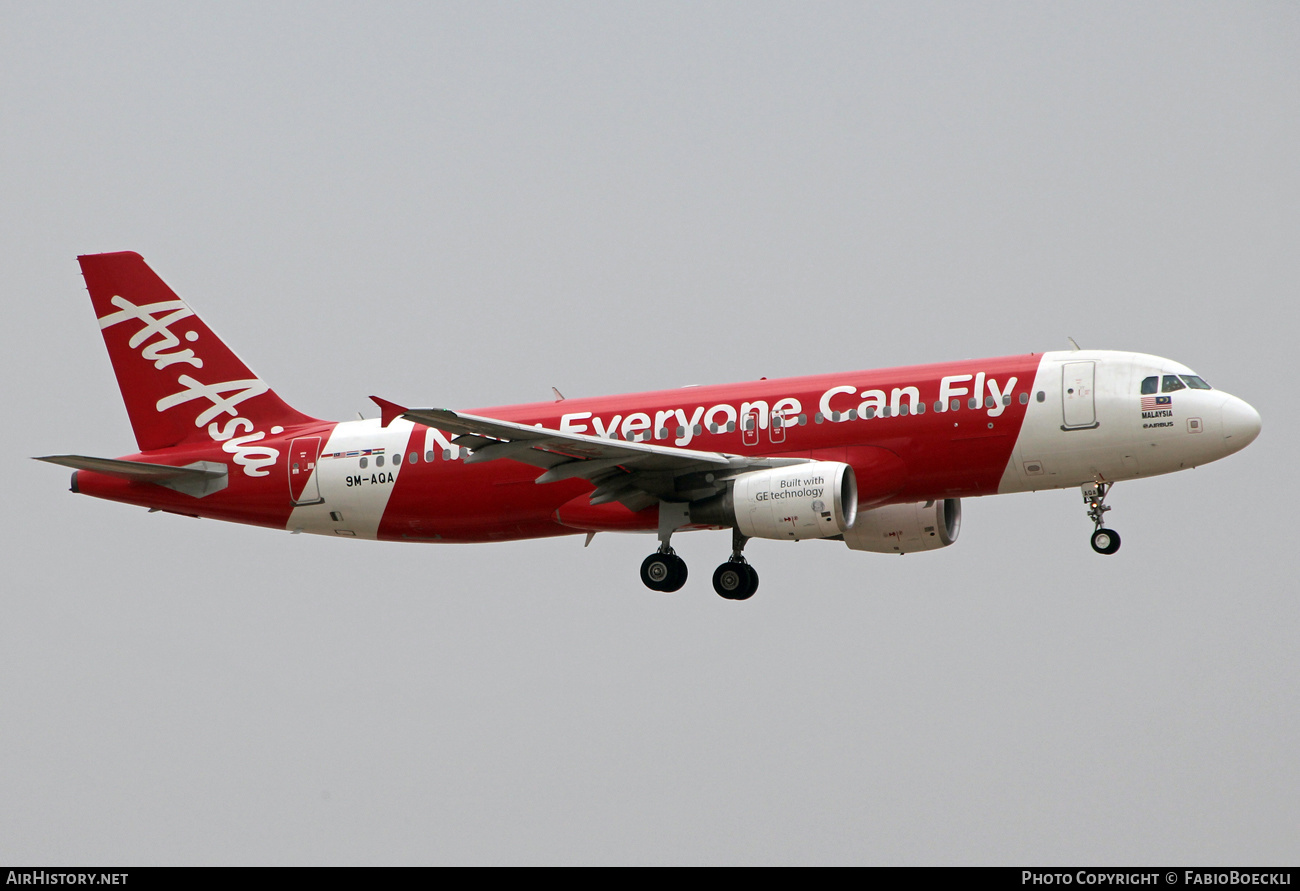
x,y
664,570
736,579
1104,541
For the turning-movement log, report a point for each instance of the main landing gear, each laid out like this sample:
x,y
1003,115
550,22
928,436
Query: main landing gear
x,y
1104,541
663,570
734,580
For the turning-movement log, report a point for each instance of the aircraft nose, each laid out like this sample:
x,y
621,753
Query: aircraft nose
x,y
1241,423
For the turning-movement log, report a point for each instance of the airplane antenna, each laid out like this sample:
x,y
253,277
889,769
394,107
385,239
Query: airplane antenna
x,y
1073,344
559,397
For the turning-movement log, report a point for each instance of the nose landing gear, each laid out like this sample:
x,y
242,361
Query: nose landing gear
x,y
1104,541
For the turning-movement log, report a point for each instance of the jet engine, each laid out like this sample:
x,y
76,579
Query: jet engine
x,y
814,500
901,528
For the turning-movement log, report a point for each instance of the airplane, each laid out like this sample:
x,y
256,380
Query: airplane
x,y
878,460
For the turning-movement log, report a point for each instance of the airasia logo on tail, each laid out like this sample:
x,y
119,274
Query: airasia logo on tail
x,y
157,344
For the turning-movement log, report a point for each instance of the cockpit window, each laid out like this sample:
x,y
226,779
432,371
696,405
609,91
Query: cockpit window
x,y
1171,383
1195,382
1150,385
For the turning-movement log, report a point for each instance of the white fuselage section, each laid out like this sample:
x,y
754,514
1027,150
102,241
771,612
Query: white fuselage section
x,y
1086,422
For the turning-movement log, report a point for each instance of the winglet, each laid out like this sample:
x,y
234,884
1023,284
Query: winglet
x,y
388,411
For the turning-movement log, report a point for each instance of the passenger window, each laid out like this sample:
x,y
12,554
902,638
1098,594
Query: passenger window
x,y
1171,383
379,460
365,462
1149,385
1195,382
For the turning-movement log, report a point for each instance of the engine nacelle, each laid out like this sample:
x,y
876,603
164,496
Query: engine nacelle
x,y
814,500
901,528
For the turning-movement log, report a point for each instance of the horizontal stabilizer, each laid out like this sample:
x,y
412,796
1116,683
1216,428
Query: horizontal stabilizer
x,y
198,479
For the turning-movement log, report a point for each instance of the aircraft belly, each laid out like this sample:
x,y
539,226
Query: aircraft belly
x,y
450,501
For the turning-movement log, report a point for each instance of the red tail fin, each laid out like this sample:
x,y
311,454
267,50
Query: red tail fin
x,y
179,381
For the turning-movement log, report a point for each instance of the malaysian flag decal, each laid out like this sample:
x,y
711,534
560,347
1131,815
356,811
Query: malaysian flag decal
x,y
1151,403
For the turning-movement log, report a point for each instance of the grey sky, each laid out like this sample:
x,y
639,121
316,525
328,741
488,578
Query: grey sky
x,y
464,205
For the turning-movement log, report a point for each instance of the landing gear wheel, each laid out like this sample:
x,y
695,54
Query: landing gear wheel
x,y
730,579
663,572
734,580
678,576
753,582
1105,541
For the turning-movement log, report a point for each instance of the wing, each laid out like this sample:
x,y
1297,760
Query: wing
x,y
635,474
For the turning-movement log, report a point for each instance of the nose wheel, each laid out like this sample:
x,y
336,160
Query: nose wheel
x,y
1104,541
